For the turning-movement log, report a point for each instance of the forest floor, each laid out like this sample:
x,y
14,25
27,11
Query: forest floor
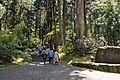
x,y
75,58
38,71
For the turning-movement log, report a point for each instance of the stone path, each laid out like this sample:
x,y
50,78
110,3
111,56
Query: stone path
x,y
38,71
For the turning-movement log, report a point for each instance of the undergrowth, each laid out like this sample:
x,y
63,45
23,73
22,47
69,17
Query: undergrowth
x,y
75,58
11,65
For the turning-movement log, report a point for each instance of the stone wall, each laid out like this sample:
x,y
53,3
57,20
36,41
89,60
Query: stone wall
x,y
108,54
100,66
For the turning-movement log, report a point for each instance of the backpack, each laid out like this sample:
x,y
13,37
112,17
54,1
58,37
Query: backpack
x,y
50,53
44,54
40,48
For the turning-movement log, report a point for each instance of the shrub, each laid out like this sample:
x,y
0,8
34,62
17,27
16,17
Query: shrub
x,y
34,42
26,57
5,52
85,46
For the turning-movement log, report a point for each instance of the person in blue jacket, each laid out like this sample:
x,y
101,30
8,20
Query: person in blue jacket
x,y
50,55
40,49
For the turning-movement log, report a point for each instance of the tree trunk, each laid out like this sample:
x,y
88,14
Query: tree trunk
x,y
60,22
0,25
85,19
64,20
28,36
51,21
54,13
80,19
36,23
14,14
40,27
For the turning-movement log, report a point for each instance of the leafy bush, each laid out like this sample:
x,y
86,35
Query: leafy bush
x,y
17,54
5,52
85,46
68,48
34,42
2,10
26,57
10,42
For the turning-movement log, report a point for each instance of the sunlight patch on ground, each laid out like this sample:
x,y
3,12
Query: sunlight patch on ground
x,y
38,63
61,71
77,73
75,58
95,75
98,75
55,72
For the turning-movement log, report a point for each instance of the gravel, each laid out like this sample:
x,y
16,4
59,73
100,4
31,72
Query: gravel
x,y
38,71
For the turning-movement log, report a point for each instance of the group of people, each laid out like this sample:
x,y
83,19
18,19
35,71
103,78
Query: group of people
x,y
48,52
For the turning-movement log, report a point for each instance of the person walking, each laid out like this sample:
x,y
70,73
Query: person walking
x,y
50,54
44,55
56,57
40,49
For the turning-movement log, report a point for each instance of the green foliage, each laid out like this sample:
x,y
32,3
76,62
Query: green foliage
x,y
76,58
68,48
8,66
22,24
11,41
3,50
20,32
15,36
34,42
9,53
23,55
82,47
103,20
6,52
3,35
2,10
26,57
85,46
20,29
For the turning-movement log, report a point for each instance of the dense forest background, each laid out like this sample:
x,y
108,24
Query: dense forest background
x,y
73,26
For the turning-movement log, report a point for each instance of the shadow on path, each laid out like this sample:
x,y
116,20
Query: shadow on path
x,y
38,71
36,58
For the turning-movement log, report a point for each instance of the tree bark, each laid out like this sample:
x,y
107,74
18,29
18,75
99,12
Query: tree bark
x,y
85,18
80,19
0,25
36,23
14,13
54,13
64,20
60,22
51,22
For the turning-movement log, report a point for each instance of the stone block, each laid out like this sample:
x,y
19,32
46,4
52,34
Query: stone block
x,y
108,54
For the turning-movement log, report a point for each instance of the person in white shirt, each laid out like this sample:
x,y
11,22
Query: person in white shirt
x,y
56,58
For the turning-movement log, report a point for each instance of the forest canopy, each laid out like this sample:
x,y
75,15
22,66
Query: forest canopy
x,y
73,25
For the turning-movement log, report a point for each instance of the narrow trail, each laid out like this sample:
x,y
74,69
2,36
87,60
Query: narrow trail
x,y
38,71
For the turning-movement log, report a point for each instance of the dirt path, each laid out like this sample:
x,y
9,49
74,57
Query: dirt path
x,y
38,71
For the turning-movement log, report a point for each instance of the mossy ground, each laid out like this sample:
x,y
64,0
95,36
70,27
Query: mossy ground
x,y
75,58
11,65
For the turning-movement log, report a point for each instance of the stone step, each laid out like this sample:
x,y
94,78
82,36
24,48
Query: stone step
x,y
100,66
